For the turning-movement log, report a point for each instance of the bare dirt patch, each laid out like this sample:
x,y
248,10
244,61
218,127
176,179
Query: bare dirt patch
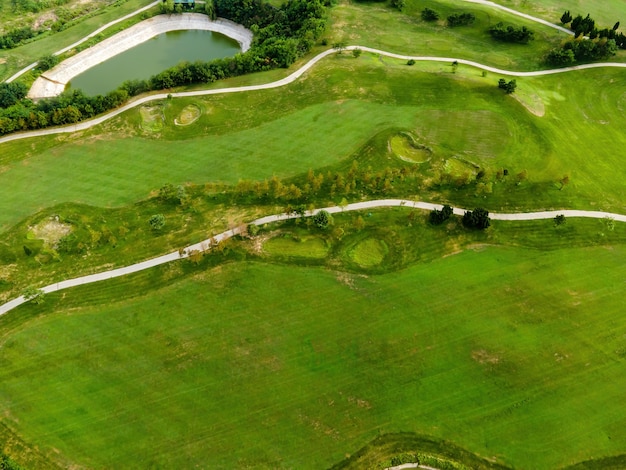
x,y
483,357
51,231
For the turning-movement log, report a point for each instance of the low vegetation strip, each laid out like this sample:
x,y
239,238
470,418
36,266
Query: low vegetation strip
x,y
215,240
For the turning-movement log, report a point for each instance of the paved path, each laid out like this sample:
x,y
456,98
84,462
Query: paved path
x,y
206,244
86,38
287,80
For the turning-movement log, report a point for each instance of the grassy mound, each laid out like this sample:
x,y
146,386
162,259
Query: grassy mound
x,y
369,252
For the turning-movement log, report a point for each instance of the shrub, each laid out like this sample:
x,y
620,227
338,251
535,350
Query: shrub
x,y
461,19
157,221
429,15
477,219
438,217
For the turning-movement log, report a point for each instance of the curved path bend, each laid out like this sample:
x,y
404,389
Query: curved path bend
x,y
83,125
206,244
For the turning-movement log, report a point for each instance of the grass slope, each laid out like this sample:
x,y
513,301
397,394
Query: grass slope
x,y
275,366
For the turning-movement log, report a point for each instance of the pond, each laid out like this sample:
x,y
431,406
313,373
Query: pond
x,y
151,57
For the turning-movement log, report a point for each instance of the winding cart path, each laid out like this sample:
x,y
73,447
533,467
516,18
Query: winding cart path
x,y
374,204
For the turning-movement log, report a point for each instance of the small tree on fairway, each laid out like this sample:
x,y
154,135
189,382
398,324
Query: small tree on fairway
x,y
157,221
356,53
477,219
438,217
322,219
559,220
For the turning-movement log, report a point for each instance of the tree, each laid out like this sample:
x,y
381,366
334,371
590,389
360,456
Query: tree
x,y
508,87
399,4
410,62
34,294
339,46
438,217
157,221
47,62
461,19
566,17
615,26
356,53
477,219
429,15
322,219
559,220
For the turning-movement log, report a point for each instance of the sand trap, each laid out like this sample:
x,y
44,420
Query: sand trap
x,y
53,82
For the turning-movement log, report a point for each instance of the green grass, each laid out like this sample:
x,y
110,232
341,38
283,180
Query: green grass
x,y
297,247
381,26
369,252
605,13
346,101
279,366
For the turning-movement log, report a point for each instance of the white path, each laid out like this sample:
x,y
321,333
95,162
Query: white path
x,y
86,38
206,244
287,80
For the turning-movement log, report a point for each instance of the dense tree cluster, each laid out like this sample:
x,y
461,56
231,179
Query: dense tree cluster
x,y
509,86
582,50
438,217
590,44
511,33
14,37
477,219
11,93
281,36
461,19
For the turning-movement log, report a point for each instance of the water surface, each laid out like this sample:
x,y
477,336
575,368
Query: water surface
x,y
154,56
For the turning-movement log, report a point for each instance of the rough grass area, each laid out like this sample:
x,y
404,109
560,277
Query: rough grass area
x,y
295,246
152,119
278,366
369,252
605,13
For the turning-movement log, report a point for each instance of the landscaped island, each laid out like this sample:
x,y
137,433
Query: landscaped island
x,y
299,308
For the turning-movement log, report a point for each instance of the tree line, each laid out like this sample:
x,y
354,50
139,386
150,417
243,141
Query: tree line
x,y
281,36
590,43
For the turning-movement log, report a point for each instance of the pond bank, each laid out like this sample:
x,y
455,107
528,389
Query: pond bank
x,y
52,82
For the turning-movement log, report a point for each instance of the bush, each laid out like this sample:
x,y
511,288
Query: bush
x,y
322,219
477,219
511,34
461,19
438,217
410,62
47,62
429,15
157,221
